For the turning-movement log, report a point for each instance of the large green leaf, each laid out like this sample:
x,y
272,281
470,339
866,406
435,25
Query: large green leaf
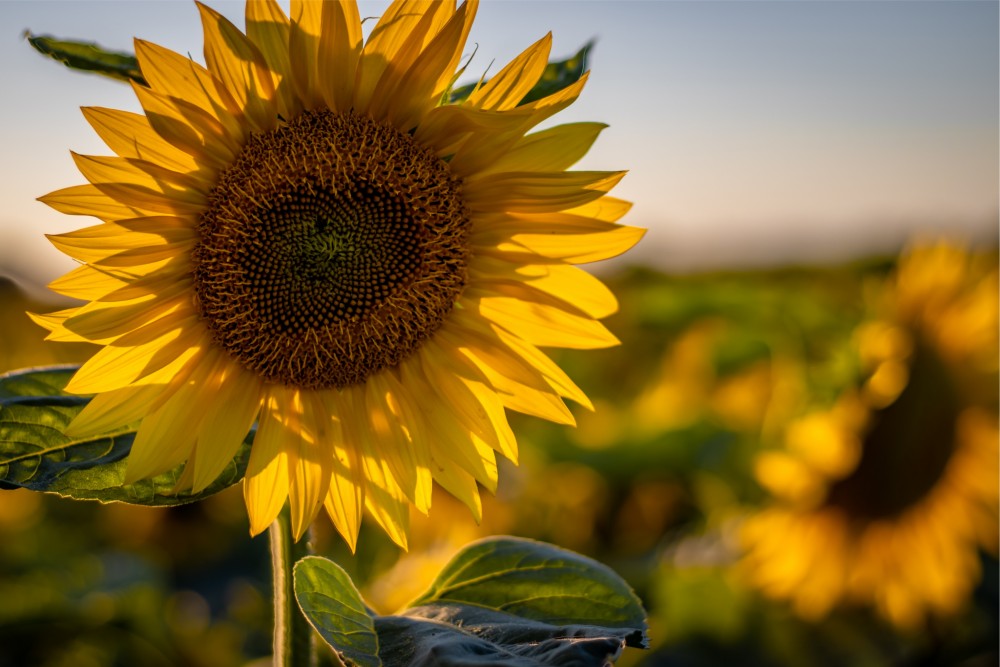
x,y
36,454
557,75
541,582
88,57
580,613
333,606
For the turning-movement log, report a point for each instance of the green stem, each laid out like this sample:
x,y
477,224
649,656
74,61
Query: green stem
x,y
293,646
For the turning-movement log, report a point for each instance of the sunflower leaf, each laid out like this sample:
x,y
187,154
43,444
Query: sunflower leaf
x,y
88,57
502,601
539,582
333,606
36,454
557,75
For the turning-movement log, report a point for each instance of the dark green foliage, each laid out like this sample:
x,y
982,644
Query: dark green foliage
x,y
36,454
88,57
501,601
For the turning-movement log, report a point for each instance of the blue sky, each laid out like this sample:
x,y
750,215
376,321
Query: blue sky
x,y
754,131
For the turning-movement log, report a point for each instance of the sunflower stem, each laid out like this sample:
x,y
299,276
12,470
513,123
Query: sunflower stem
x,y
293,645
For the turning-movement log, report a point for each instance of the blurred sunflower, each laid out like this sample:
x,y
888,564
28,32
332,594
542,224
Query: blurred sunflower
x,y
304,234
885,498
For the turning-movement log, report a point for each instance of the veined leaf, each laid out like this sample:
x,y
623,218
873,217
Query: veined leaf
x,y
557,75
541,582
88,57
504,602
36,454
333,606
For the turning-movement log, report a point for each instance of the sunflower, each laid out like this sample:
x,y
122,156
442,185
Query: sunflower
x,y
302,234
885,498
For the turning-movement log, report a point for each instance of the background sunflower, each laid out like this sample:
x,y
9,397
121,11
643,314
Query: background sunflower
x,y
887,496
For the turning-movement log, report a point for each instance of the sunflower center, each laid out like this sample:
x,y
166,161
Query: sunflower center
x,y
908,446
330,249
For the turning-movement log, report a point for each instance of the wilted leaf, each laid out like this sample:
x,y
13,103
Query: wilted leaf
x,y
36,454
557,75
88,57
333,606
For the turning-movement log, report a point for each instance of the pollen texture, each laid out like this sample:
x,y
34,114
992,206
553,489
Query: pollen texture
x,y
330,249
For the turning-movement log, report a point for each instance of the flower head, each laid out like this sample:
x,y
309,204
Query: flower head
x,y
885,498
302,235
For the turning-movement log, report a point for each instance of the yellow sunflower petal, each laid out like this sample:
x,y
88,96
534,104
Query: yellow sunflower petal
x,y
542,325
115,409
528,192
179,192
558,247
400,403
241,68
388,507
456,442
478,151
265,487
268,28
574,287
345,500
100,322
100,241
457,482
481,343
384,499
236,398
512,83
474,406
188,128
303,48
128,171
525,399
339,53
180,77
89,200
402,31
87,282
554,149
384,430
136,355
419,87
93,282
167,435
554,376
131,136
516,395
313,467
53,323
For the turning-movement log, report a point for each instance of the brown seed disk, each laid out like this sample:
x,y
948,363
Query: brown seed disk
x,y
330,249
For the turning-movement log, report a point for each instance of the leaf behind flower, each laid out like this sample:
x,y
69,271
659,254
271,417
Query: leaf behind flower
x,y
36,454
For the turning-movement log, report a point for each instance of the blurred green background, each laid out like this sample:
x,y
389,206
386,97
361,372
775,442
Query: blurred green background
x,y
791,467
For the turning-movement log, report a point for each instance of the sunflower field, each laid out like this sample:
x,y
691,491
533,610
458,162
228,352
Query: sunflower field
x,y
723,473
339,379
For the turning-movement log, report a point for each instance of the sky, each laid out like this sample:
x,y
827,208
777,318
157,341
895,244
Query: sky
x,y
755,132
